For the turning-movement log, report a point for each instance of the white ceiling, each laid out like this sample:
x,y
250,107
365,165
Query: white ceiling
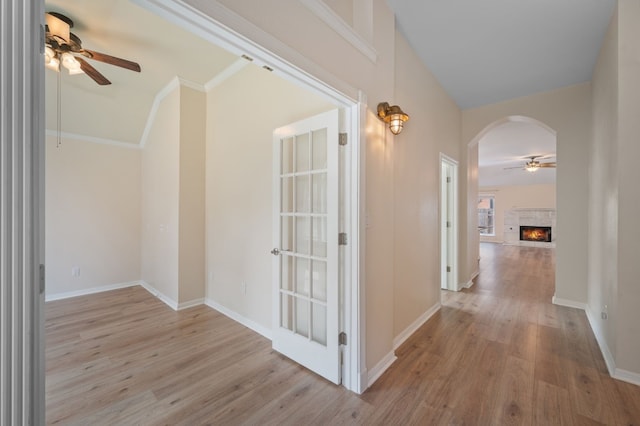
x,y
119,111
485,51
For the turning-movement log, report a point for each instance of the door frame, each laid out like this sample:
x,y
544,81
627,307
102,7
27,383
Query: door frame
x,y
225,28
448,204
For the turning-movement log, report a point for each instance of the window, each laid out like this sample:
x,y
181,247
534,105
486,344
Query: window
x,y
486,208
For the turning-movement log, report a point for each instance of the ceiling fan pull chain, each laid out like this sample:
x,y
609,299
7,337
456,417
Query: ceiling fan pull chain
x,y
59,138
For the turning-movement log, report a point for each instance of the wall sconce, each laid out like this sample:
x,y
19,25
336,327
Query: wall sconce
x,y
392,115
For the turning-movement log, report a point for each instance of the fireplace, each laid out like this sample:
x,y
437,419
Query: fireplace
x,y
535,233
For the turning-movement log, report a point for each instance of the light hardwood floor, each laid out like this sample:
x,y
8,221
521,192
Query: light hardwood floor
x,y
497,354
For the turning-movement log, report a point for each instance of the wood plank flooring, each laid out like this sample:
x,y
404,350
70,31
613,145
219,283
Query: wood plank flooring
x,y
496,354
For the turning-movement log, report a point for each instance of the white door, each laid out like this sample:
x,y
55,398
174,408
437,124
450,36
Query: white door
x,y
305,262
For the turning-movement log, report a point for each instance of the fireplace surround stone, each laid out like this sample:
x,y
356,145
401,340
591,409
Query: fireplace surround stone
x,y
515,218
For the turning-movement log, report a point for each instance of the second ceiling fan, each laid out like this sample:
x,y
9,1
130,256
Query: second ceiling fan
x,y
533,164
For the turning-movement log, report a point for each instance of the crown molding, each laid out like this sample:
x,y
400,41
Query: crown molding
x,y
92,139
336,23
226,73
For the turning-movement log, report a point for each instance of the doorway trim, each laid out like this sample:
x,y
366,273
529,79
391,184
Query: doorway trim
x,y
448,220
223,27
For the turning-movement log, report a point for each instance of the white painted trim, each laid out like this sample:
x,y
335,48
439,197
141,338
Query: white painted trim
x,y
190,303
164,298
346,31
93,139
163,93
569,303
258,328
92,290
413,327
380,368
615,372
627,376
191,84
470,283
604,348
226,73
220,25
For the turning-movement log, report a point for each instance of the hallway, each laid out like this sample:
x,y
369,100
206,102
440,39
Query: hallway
x,y
498,353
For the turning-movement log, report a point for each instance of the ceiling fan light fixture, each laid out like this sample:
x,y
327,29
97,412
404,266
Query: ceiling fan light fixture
x,y
531,168
58,28
51,60
71,63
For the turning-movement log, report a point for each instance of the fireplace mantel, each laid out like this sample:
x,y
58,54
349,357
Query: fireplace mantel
x,y
515,218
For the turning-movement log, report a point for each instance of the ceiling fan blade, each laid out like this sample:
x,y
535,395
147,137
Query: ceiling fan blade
x,y
112,60
92,72
512,168
547,165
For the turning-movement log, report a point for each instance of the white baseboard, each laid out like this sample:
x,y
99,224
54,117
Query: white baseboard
x,y
258,328
92,290
382,366
615,372
163,297
413,327
190,303
569,303
604,348
470,283
627,376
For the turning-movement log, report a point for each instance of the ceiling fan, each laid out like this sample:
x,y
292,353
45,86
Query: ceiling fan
x,y
533,164
62,46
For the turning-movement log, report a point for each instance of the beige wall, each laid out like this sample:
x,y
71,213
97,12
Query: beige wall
x,y
191,255
568,112
239,203
434,128
614,203
628,326
173,171
160,199
603,190
92,215
517,197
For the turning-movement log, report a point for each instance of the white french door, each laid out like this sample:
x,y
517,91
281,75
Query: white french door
x,y
305,262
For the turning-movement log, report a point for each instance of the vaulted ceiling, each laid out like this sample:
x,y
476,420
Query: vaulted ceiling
x,y
118,112
480,51
489,51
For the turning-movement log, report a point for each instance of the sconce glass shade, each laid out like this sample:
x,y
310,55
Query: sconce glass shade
x,y
392,115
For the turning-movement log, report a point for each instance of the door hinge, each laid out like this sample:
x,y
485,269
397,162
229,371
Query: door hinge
x,y
41,280
342,338
448,224
448,179
448,268
342,139
342,239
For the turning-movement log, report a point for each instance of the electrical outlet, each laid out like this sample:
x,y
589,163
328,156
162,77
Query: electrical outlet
x,y
605,312
75,271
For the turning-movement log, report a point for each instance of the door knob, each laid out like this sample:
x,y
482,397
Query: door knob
x,y
275,252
